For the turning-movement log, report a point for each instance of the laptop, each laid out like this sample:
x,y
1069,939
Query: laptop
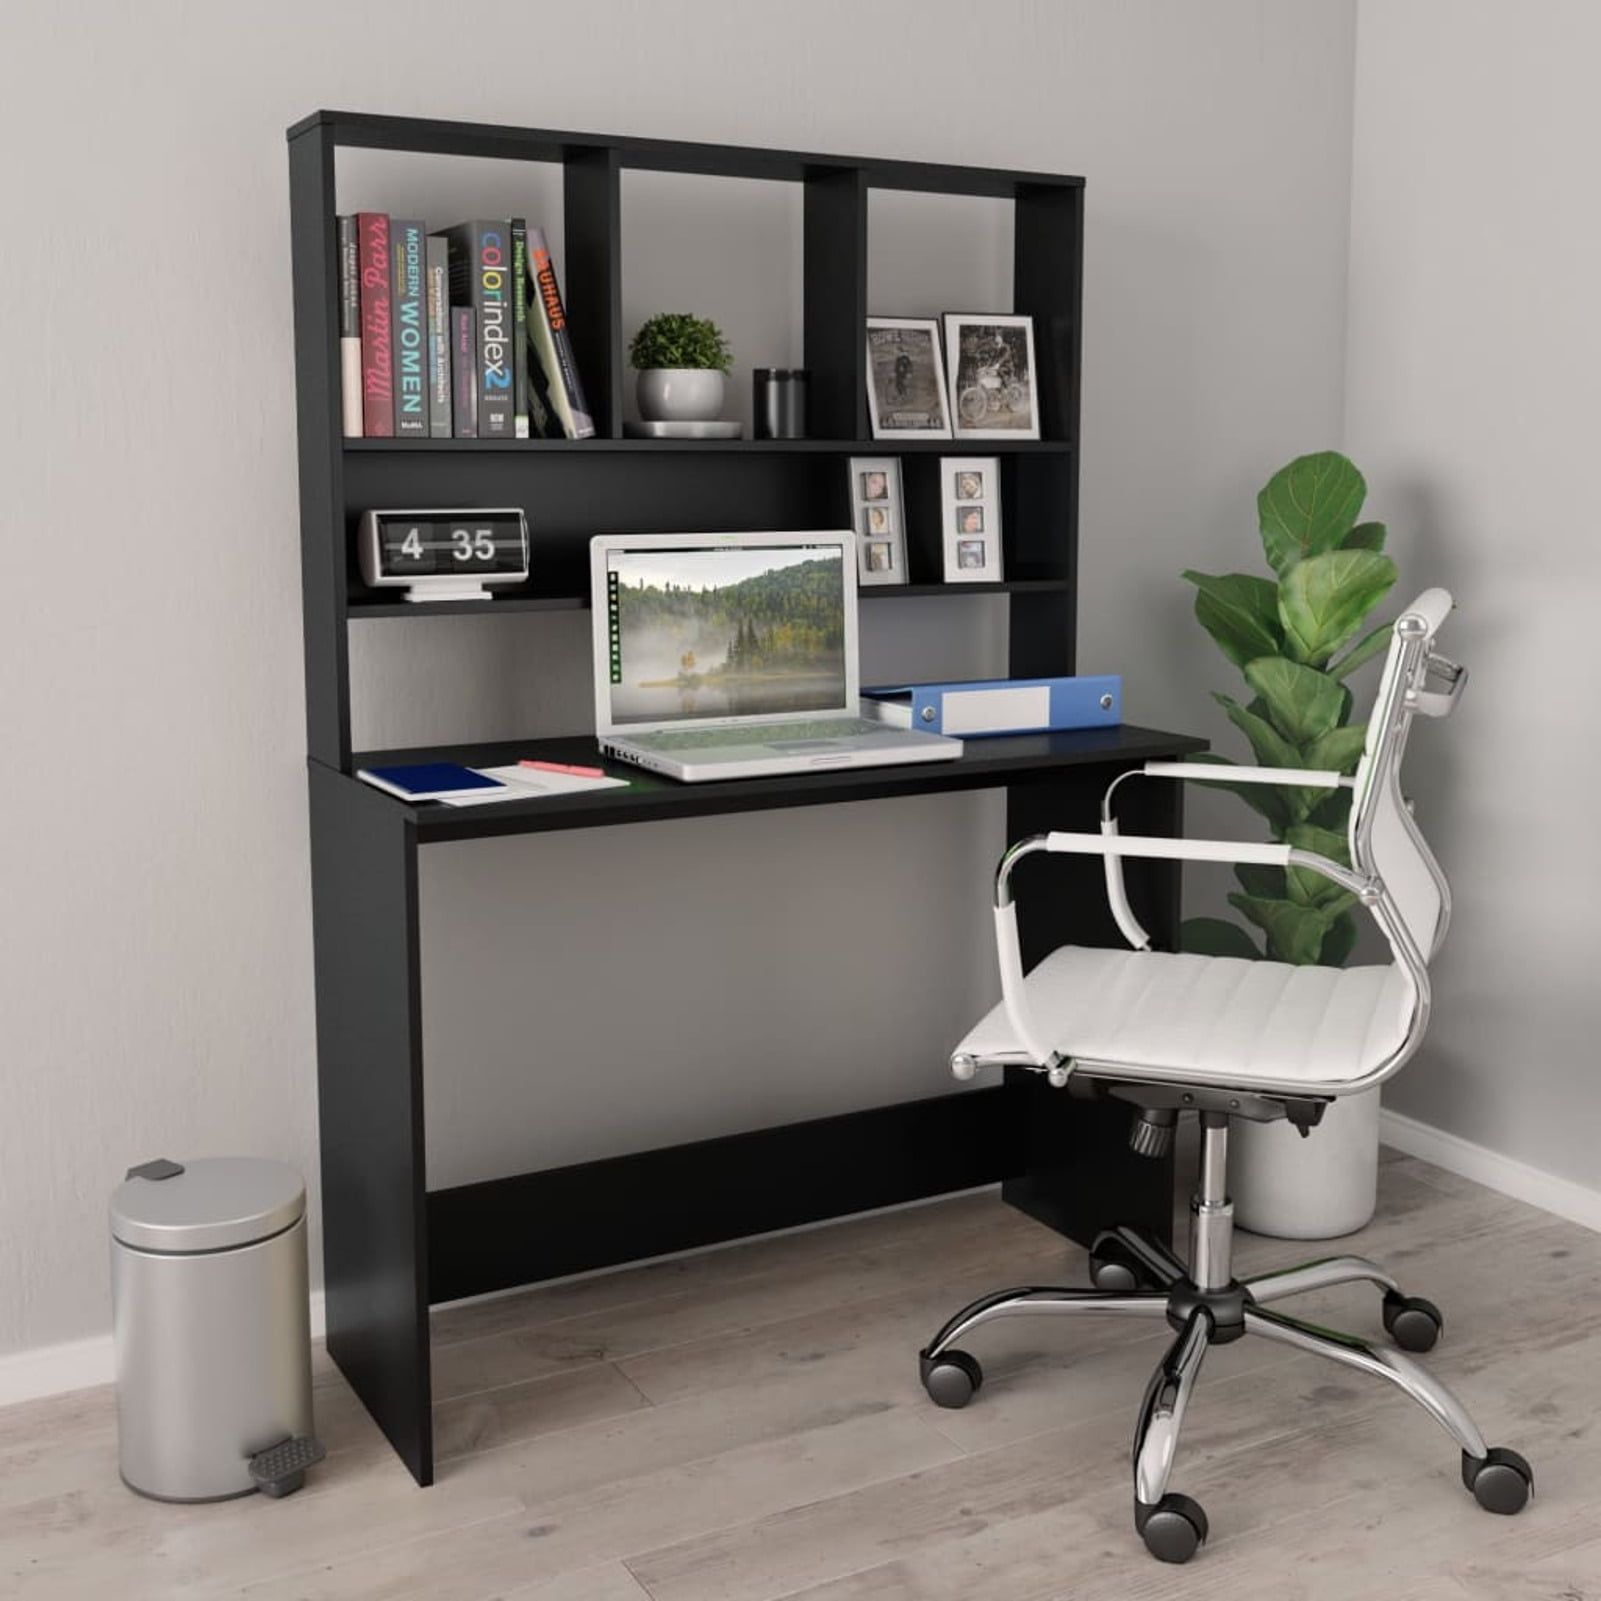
x,y
734,656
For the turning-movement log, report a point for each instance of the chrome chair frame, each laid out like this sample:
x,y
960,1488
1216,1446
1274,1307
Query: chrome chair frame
x,y
1134,1274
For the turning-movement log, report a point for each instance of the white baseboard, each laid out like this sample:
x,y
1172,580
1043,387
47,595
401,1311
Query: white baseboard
x,y
1566,1199
79,1364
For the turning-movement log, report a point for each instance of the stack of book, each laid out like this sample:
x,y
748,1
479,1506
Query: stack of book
x,y
459,334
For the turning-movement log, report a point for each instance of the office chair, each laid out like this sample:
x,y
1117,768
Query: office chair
x,y
1231,1038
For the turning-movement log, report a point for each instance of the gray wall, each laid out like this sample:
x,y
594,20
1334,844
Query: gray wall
x,y
1474,399
155,975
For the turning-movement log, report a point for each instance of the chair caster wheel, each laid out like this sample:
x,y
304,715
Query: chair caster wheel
x,y
1173,1530
1113,1268
1413,1323
952,1378
1501,1481
1106,1273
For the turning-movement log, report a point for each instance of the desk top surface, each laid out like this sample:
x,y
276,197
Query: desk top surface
x,y
984,764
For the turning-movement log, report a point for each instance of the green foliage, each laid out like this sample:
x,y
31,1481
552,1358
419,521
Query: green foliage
x,y
1324,599
676,339
1284,636
1309,507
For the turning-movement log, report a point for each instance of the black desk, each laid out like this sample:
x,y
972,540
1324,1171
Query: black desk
x,y
391,1247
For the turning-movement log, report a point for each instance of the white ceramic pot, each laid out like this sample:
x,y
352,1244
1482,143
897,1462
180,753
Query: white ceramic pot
x,y
680,394
1313,1188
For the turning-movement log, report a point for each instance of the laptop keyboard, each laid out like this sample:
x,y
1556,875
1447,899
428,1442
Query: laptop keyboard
x,y
756,734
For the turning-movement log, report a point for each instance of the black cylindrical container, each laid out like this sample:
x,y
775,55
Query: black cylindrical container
x,y
778,402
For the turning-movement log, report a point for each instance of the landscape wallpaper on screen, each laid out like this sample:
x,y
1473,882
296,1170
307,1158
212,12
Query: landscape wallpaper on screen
x,y
719,633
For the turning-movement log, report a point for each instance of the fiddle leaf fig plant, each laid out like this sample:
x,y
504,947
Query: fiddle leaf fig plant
x,y
1296,638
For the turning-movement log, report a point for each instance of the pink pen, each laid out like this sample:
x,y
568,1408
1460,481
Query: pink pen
x,y
564,767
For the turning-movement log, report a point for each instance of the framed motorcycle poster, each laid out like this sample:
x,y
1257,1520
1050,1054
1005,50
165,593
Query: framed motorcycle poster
x,y
994,389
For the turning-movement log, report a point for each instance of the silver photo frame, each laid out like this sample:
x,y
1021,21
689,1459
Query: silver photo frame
x,y
878,516
970,518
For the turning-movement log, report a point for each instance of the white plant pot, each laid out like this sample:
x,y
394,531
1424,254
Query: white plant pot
x,y
680,394
1308,1189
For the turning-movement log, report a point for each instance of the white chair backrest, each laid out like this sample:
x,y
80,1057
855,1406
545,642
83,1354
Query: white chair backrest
x,y
1384,839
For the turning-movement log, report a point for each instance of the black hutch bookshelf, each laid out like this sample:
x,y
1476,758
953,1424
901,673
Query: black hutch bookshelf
x,y
391,1246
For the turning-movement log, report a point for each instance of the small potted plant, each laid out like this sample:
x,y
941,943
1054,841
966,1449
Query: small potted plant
x,y
682,362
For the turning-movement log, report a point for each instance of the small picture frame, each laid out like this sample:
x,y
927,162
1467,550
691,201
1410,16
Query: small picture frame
x,y
994,388
906,390
878,515
970,518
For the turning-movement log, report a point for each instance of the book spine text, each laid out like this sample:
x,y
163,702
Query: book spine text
x,y
409,319
464,363
349,329
548,320
438,294
377,351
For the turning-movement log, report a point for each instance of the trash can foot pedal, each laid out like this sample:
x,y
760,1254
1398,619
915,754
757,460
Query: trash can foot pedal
x,y
281,1469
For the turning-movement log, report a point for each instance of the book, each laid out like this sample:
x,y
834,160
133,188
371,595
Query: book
x,y
377,363
519,336
429,781
437,294
409,320
464,372
349,329
480,277
552,347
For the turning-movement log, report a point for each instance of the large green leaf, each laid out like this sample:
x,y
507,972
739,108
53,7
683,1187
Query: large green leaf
x,y
1268,745
1211,936
1307,888
1323,600
1303,703
1339,942
1308,507
1365,536
1271,749
1266,883
1294,933
1333,811
1364,650
1241,612
1263,799
1339,750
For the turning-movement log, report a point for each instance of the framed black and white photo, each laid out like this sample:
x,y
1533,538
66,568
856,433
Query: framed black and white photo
x,y
970,518
994,392
906,379
878,515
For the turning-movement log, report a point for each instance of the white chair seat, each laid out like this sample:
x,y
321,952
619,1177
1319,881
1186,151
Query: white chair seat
x,y
1209,1020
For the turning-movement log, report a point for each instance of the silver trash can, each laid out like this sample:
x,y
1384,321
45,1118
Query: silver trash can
x,y
213,1329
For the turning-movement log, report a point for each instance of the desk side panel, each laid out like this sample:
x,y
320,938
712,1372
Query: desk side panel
x,y
370,1108
1078,1174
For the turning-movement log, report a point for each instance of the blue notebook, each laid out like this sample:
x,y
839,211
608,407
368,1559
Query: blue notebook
x,y
429,781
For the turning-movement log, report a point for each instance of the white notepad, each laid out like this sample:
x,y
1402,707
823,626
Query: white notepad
x,y
532,783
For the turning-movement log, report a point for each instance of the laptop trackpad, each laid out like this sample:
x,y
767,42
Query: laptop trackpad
x,y
805,744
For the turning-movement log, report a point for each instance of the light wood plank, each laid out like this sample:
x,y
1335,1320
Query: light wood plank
x,y
747,1424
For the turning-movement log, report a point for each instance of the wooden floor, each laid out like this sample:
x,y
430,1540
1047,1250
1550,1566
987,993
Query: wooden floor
x,y
747,1425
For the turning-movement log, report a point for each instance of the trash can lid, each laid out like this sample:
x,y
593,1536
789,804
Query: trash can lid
x,y
217,1204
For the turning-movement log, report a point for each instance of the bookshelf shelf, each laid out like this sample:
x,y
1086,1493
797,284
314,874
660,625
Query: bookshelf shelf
x,y
706,447
362,610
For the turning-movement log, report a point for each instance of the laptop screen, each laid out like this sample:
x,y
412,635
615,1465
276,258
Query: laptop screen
x,y
725,631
